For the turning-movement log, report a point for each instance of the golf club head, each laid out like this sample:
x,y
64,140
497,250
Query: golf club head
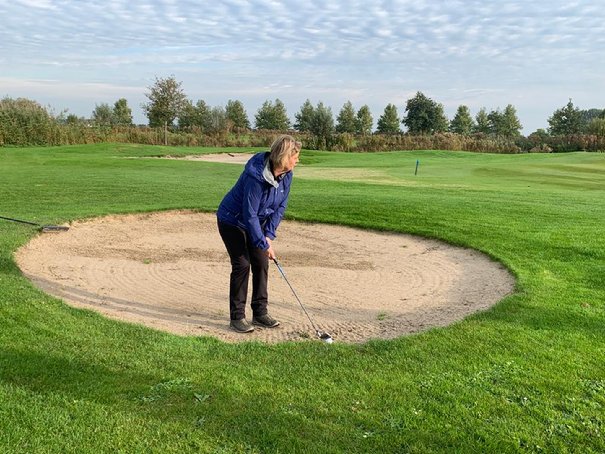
x,y
54,228
325,337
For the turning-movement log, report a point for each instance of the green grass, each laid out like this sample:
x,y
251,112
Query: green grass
x,y
525,376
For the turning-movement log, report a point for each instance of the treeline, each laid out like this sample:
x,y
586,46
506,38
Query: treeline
x,y
173,119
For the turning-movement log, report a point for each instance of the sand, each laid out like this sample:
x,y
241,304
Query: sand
x,y
170,271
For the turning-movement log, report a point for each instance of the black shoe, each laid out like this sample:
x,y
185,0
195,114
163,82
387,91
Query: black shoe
x,y
241,326
266,321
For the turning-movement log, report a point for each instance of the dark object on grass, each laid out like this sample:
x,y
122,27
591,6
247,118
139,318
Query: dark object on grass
x,y
42,228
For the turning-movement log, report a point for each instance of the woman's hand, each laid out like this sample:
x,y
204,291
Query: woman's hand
x,y
270,252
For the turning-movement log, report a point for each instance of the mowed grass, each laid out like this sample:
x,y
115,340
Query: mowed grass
x,y
525,376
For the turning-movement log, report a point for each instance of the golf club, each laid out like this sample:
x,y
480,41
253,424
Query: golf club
x,y
325,337
43,228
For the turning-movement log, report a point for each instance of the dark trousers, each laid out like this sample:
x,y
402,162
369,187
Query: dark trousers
x,y
244,256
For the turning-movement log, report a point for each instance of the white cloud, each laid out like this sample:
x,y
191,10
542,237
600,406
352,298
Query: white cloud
x,y
377,52
44,4
71,89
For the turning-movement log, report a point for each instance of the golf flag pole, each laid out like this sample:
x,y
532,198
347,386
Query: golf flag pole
x,y
416,171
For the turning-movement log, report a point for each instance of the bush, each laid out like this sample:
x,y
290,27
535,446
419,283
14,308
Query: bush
x,y
542,148
24,122
343,142
597,127
577,142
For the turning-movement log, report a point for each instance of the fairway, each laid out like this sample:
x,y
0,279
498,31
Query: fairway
x,y
524,375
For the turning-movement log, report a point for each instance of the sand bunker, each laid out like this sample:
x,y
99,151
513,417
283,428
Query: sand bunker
x,y
225,158
170,271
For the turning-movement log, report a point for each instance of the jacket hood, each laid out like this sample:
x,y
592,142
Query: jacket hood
x,y
258,167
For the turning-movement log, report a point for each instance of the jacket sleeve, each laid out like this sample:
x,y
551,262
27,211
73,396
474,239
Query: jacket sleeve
x,y
276,217
250,206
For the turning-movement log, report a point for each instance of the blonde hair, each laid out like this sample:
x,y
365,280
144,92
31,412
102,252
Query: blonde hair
x,y
282,149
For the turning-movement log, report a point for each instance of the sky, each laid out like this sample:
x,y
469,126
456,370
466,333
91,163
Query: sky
x,y
75,55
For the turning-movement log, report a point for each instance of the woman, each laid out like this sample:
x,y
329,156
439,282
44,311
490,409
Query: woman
x,y
248,217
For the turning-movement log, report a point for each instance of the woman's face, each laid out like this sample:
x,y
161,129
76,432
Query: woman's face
x,y
291,162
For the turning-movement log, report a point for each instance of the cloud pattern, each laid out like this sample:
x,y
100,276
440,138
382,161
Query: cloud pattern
x,y
330,51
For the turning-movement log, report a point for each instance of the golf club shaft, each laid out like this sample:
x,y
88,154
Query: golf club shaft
x,y
295,295
43,228
21,221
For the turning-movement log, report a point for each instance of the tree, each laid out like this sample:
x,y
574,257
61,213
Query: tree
x,y
281,116
218,120
118,115
539,136
565,121
25,122
264,118
588,115
510,126
462,123
364,120
538,141
166,102
72,119
322,124
495,120
187,116
502,124
271,116
304,117
103,115
424,116
597,127
122,114
237,115
346,120
388,123
203,115
482,122
198,115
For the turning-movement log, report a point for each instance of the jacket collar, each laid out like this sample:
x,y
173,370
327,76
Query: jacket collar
x,y
268,175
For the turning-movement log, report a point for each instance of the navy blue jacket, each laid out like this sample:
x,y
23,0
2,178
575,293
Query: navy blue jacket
x,y
257,201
